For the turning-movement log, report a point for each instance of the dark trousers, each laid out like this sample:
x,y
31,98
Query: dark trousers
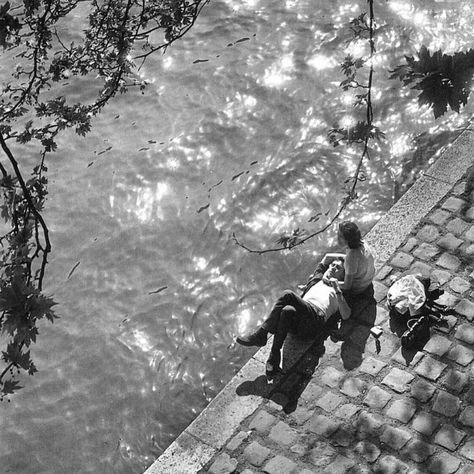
x,y
291,313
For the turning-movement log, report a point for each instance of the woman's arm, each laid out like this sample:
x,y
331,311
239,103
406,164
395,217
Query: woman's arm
x,y
344,309
329,257
347,283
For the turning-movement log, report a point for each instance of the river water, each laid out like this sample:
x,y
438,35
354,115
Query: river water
x,y
151,288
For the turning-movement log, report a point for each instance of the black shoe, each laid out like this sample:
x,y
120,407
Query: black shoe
x,y
257,338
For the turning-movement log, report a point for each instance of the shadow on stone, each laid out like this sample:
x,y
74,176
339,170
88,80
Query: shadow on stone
x,y
258,386
356,331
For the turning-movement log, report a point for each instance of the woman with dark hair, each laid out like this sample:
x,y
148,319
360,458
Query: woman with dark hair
x,y
359,261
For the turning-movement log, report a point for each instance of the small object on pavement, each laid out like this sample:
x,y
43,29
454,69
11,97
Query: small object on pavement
x,y
376,331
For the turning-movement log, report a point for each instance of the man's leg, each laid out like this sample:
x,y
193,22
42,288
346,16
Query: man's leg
x,y
288,298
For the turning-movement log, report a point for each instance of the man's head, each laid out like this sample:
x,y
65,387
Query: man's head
x,y
335,270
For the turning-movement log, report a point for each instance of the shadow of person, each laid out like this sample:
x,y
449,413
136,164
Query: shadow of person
x,y
300,359
259,386
356,330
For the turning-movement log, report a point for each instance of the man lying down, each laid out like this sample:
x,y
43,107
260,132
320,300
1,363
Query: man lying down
x,y
303,316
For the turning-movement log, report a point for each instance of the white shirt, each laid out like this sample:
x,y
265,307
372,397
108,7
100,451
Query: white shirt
x,y
324,298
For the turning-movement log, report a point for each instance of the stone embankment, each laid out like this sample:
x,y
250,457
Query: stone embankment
x,y
364,405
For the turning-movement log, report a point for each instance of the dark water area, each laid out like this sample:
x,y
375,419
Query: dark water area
x,y
151,288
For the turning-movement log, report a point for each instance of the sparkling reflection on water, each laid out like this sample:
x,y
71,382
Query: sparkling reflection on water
x,y
144,208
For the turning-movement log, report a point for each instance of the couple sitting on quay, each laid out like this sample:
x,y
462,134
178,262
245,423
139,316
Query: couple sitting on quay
x,y
338,281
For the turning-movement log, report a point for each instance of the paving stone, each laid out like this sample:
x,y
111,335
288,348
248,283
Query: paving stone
x,y
390,465
450,321
468,449
279,465
439,216
467,416
443,463
455,381
368,424
459,285
426,251
425,423
422,390
449,242
441,276
446,404
449,437
399,358
453,204
460,188
301,414
262,421
344,436
457,226
223,464
470,233
437,345
377,398
469,250
321,425
398,380
384,272
256,454
247,471
347,411
340,465
410,244
461,354
447,299
430,368
469,397
388,345
428,233
332,377
402,260
321,454
299,449
237,440
424,269
396,438
373,366
448,261
465,332
368,450
353,387
283,434
470,213
329,402
402,410
381,316
380,291
311,393
466,308
419,451
468,469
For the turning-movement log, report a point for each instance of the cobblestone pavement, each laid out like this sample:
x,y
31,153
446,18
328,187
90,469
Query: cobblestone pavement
x,y
356,407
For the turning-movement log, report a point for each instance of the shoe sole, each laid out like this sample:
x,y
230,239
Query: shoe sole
x,y
249,344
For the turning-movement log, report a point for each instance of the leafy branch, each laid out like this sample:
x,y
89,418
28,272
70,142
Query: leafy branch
x,y
443,79
40,58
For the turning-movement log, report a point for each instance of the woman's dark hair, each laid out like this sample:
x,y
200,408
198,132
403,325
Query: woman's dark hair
x,y
351,234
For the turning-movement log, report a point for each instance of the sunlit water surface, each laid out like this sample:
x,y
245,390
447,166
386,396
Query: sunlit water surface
x,y
143,210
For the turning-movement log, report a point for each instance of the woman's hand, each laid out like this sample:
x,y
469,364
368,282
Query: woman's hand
x,y
335,284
